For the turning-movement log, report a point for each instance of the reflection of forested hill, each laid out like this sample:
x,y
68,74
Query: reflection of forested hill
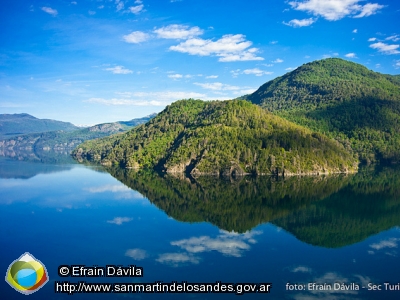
x,y
331,211
231,205
369,204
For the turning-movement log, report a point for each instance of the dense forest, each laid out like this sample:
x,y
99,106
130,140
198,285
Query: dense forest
x,y
343,100
222,138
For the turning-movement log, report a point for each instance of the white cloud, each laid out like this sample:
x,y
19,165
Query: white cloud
x,y
273,42
136,254
385,48
289,69
74,3
393,38
397,64
256,72
227,243
235,73
372,39
119,70
179,32
351,55
217,86
136,9
212,76
390,243
142,98
278,61
109,188
117,102
300,23
369,9
175,76
91,12
177,258
334,10
228,48
301,269
119,220
120,5
50,10
354,31
136,37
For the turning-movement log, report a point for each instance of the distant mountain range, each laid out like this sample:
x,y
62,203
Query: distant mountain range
x,y
17,124
61,139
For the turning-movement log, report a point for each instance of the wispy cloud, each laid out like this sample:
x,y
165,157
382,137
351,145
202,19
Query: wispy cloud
x,y
119,220
256,72
351,55
175,76
301,269
393,38
118,102
176,259
334,10
119,70
300,23
212,76
142,98
373,39
179,32
136,37
385,48
229,48
50,10
277,61
354,31
119,5
389,243
136,9
136,254
109,188
227,243
217,86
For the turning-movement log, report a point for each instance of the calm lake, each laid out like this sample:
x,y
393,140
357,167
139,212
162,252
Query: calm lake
x,y
334,231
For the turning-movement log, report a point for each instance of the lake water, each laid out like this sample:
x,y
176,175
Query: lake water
x,y
290,232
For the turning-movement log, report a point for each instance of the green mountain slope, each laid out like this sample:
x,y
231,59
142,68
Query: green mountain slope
x,y
16,124
220,137
346,101
66,140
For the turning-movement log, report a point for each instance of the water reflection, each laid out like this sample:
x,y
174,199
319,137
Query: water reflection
x,y
329,211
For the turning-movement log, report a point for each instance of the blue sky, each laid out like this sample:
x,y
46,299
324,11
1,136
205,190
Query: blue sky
x,y
90,62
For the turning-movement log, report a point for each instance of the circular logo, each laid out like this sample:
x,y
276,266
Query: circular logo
x,y
27,274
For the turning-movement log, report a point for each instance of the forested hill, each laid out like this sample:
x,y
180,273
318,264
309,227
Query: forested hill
x,y
16,124
356,106
220,137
